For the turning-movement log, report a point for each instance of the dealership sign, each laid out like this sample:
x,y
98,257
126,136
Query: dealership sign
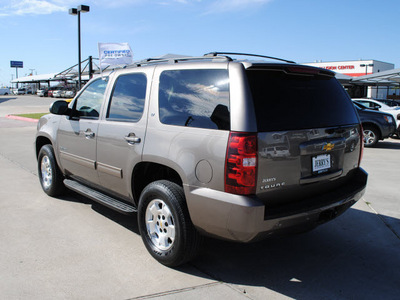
x,y
354,68
16,64
341,67
111,54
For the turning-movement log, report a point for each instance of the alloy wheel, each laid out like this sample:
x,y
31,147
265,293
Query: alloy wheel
x,y
160,224
369,137
47,172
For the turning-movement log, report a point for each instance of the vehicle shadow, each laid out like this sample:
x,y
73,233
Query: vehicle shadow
x,y
127,221
387,144
354,256
5,99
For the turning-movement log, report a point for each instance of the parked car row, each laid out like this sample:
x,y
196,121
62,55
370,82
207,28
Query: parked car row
x,y
56,92
382,107
22,91
376,125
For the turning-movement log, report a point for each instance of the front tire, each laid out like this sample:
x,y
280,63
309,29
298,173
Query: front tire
x,y
50,175
165,225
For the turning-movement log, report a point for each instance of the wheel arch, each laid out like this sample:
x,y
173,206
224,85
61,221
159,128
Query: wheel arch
x,y
373,125
146,172
40,142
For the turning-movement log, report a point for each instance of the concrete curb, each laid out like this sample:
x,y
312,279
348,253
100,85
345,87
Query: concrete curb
x,y
22,119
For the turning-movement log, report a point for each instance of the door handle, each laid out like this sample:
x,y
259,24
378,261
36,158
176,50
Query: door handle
x,y
89,134
131,138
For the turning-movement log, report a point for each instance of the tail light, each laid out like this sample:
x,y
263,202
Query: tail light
x,y
361,145
241,164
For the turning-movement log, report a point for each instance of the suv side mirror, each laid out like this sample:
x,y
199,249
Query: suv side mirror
x,y
59,107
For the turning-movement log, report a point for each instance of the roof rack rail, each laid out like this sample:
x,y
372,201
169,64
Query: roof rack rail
x,y
214,54
159,60
155,60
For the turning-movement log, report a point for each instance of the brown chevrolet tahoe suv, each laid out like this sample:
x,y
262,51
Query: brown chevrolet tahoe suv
x,y
185,143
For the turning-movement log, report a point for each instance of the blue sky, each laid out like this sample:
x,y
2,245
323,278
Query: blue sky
x,y
43,35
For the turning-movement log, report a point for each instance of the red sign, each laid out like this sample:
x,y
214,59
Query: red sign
x,y
345,67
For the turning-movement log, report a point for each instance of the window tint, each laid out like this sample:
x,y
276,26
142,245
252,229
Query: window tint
x,y
195,98
287,101
89,102
127,100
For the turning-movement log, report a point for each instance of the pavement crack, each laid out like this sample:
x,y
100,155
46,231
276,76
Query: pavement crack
x,y
17,164
156,295
220,281
382,219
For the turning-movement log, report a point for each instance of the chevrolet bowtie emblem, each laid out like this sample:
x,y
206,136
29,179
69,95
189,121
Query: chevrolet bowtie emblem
x,y
328,146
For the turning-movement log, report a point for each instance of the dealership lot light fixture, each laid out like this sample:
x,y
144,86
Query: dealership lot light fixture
x,y
366,67
77,11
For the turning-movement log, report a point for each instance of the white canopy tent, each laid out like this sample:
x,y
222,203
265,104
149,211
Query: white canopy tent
x,y
35,78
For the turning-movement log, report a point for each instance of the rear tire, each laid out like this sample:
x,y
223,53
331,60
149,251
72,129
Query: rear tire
x,y
165,225
371,136
50,175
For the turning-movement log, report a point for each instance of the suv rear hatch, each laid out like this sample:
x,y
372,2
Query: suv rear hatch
x,y
309,138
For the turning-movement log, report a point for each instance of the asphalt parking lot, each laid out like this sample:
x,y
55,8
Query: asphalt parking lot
x,y
72,248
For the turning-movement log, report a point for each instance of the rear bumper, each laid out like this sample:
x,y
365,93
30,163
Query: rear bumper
x,y
244,218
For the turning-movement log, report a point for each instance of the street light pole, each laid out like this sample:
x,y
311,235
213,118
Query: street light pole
x,y
77,11
366,70
79,51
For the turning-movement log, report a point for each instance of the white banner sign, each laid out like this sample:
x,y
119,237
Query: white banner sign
x,y
114,54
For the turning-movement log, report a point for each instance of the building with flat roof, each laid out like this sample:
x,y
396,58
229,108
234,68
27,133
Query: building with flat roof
x,y
354,68
360,68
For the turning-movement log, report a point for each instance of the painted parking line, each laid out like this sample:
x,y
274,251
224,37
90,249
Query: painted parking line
x,y
22,118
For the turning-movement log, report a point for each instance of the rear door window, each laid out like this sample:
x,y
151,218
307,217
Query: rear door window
x,y
128,97
285,101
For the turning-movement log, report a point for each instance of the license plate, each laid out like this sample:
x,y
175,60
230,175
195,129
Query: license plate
x,y
321,162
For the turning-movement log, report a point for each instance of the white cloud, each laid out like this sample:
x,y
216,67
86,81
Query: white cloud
x,y
220,6
30,7
42,7
116,3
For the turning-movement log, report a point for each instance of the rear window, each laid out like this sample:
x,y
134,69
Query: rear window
x,y
285,101
195,98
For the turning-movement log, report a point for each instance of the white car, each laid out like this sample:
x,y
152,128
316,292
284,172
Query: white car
x,y
21,91
69,94
5,91
377,105
57,94
41,93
